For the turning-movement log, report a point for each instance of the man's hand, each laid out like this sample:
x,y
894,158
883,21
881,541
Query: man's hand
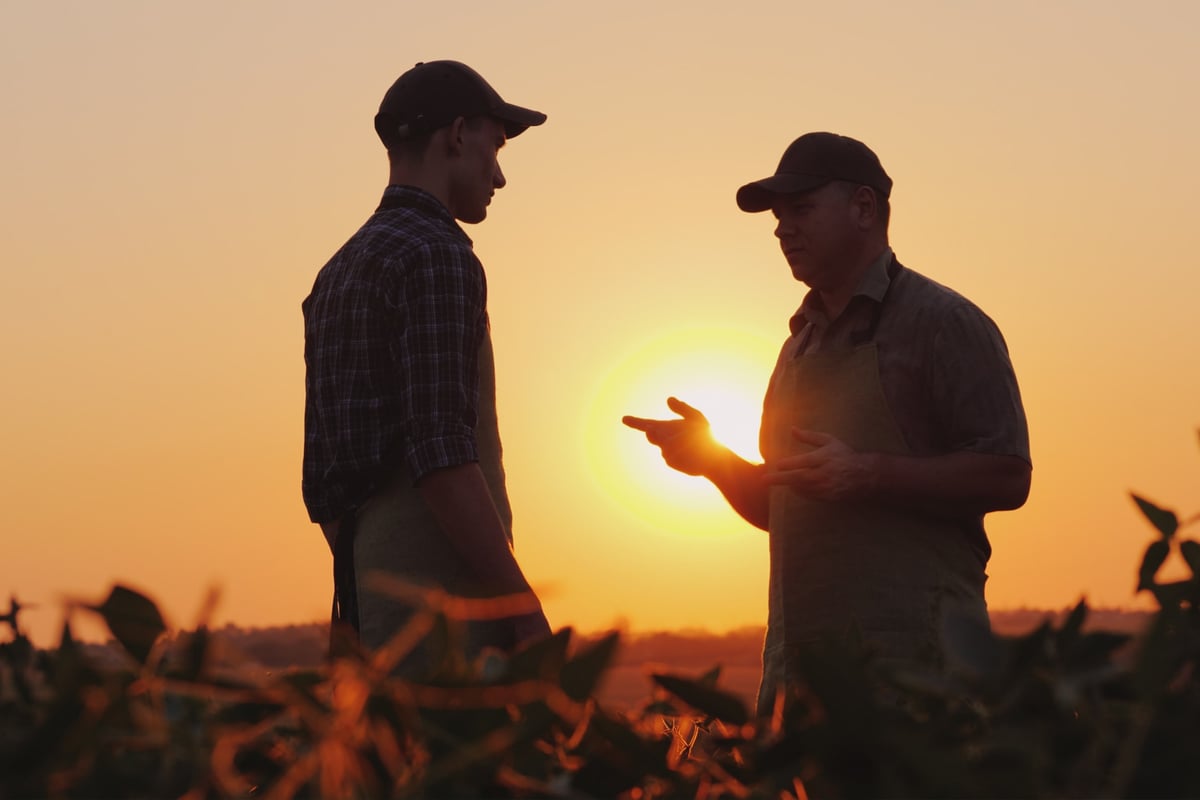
x,y
687,444
830,471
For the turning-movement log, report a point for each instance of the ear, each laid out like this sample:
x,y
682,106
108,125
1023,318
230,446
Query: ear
x,y
865,207
454,135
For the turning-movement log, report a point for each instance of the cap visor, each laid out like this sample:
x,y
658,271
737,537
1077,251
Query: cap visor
x,y
761,195
517,118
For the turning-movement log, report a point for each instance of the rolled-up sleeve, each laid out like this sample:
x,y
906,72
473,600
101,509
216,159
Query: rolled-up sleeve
x,y
441,322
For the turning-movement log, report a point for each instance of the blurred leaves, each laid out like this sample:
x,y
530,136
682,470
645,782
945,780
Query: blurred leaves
x,y
705,699
1064,710
133,619
1156,556
1165,521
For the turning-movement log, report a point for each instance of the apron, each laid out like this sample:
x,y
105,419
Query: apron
x,y
396,533
885,573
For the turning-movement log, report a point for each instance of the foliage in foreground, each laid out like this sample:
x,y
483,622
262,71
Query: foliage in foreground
x,y
1058,712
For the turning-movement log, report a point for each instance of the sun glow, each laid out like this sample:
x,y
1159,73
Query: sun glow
x,y
720,372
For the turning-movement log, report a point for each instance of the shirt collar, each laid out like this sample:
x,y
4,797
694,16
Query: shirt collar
x,y
873,286
412,197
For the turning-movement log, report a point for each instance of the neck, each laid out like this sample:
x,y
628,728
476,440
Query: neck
x,y
836,298
405,173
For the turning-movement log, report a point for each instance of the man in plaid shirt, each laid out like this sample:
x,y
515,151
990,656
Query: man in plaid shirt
x,y
402,457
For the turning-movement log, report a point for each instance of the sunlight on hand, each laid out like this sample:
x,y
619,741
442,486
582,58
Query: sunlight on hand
x,y
720,372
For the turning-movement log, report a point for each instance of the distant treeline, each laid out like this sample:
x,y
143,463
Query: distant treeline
x,y
305,645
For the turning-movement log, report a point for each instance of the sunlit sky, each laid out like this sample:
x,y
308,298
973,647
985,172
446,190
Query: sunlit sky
x,y
173,175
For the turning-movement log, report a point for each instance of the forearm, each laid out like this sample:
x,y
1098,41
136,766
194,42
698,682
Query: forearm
x,y
461,503
956,484
741,482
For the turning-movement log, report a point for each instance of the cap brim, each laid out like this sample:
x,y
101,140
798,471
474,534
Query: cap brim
x,y
761,195
517,118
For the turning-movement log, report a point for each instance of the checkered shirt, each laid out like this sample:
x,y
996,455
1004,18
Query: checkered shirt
x,y
392,331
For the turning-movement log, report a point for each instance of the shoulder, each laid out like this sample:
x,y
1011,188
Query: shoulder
x,y
399,238
393,247
934,307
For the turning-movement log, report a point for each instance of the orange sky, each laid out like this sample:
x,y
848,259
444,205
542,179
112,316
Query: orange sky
x,y
175,174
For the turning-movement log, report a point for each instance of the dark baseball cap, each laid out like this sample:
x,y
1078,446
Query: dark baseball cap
x,y
812,161
433,94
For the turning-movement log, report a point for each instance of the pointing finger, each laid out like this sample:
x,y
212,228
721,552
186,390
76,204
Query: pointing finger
x,y
638,423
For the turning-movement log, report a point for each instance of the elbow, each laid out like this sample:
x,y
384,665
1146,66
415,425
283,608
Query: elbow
x,y
1014,485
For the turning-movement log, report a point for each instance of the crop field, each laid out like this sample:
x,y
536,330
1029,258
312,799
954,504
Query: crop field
x,y
1075,704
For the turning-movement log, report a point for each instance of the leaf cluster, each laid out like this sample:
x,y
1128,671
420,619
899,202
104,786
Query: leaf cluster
x,y
1062,711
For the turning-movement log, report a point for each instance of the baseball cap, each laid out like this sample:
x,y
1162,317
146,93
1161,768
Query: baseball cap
x,y
434,93
812,161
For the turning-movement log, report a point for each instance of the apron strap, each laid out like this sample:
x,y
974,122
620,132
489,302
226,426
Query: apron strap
x,y
868,335
344,621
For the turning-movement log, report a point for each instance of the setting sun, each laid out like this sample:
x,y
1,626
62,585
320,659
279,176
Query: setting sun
x,y
720,372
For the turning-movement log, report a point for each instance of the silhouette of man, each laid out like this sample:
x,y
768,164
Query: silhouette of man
x,y
402,456
891,425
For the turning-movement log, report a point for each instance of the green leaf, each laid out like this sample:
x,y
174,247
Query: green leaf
x,y
711,677
1166,521
1156,554
543,658
581,675
1159,656
1095,649
133,619
617,759
1190,550
1073,624
247,713
1174,595
705,699
195,655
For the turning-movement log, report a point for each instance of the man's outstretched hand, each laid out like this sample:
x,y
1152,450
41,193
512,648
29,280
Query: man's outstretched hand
x,y
686,443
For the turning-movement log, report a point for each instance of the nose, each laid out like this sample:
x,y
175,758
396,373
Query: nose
x,y
498,180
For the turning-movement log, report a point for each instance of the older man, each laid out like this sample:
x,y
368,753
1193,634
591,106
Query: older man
x,y
891,425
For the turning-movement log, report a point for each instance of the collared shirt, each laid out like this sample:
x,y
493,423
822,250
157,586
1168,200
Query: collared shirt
x,y
943,363
392,330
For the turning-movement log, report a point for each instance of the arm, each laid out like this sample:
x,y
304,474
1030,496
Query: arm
x,y
459,499
461,503
956,484
445,300
687,445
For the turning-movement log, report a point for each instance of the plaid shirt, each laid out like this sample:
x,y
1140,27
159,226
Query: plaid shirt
x,y
392,331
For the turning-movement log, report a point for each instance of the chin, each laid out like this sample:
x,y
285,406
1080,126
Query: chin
x,y
799,271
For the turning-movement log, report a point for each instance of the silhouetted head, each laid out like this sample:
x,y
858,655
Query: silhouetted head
x,y
443,126
829,195
433,94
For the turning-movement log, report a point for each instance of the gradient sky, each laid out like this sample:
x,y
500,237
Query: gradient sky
x,y
173,175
